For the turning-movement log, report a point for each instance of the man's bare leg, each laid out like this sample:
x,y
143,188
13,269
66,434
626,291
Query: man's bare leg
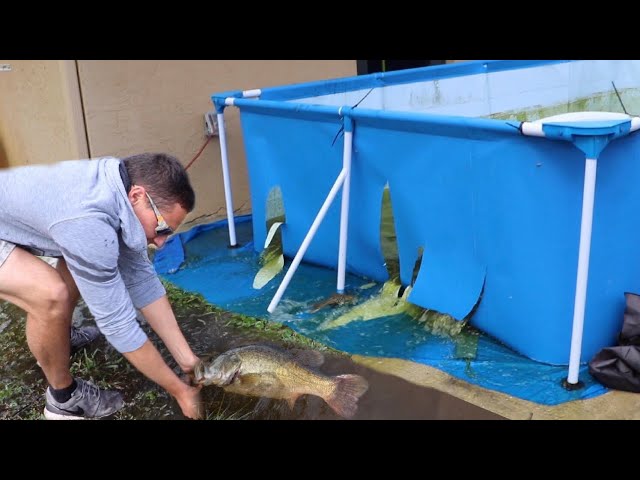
x,y
84,335
74,294
41,290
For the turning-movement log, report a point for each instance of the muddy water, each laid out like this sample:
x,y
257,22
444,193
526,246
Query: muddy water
x,y
388,397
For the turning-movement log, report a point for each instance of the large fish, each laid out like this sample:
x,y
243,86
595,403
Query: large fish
x,y
337,299
262,371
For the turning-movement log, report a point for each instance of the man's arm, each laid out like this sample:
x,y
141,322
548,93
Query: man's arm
x,y
90,248
160,316
148,360
91,251
149,296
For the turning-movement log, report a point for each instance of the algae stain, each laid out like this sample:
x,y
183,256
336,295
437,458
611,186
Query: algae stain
x,y
390,301
393,300
437,94
272,257
388,238
275,205
604,101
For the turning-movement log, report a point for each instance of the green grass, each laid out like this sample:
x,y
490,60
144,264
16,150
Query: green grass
x,y
183,300
22,383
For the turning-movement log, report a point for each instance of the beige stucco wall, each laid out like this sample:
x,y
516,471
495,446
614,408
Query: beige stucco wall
x,y
40,113
49,109
136,106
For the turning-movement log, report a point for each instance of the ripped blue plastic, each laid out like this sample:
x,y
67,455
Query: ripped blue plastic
x,y
200,261
492,209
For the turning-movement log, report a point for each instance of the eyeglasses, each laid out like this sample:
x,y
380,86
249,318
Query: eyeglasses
x,y
163,228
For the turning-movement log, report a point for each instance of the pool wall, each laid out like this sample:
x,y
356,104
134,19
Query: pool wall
x,y
496,212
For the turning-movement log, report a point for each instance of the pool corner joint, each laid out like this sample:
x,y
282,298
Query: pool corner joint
x,y
590,132
572,386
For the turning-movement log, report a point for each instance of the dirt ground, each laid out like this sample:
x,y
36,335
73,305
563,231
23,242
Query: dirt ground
x,y
389,397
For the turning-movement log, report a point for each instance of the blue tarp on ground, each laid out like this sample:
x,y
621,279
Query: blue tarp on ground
x,y
200,261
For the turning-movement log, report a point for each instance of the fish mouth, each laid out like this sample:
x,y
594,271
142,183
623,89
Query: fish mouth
x,y
235,375
219,373
198,373
218,380
231,378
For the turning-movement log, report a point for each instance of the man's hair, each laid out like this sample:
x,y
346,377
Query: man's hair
x,y
164,177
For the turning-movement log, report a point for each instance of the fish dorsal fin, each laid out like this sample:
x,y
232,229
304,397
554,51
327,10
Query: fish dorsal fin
x,y
309,358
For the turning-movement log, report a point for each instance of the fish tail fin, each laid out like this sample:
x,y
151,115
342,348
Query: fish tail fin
x,y
344,398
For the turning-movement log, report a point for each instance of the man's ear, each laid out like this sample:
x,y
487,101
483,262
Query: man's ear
x,y
136,194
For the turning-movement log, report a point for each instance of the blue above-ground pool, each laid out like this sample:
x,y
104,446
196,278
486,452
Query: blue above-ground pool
x,y
489,181
198,260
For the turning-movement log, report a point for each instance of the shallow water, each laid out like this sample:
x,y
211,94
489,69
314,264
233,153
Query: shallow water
x,y
388,397
22,383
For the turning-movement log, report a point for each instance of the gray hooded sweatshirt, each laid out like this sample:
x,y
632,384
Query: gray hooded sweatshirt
x,y
79,210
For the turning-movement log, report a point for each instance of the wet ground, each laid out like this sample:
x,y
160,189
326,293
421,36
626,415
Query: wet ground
x,y
392,398
209,331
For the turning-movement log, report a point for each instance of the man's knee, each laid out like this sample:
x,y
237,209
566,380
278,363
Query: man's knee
x,y
63,270
55,300
34,286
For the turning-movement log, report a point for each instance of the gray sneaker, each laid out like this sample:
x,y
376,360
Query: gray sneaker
x,y
86,402
83,336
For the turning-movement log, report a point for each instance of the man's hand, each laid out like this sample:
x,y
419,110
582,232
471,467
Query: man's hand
x,y
189,366
188,375
190,402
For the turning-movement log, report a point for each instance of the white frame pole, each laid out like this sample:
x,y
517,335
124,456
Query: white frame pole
x,y
256,92
344,213
307,240
228,194
588,199
224,156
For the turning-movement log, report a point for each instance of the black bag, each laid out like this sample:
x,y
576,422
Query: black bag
x,y
619,367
